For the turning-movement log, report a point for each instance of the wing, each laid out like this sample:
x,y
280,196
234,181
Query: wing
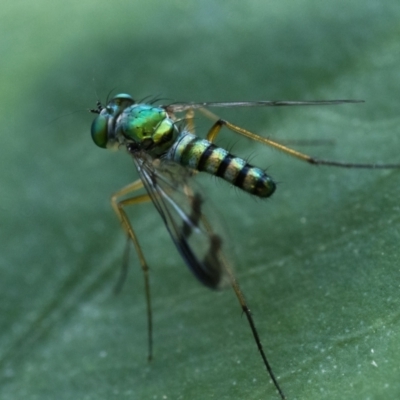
x,y
181,208
179,107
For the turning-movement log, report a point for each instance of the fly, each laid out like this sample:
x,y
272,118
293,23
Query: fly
x,y
167,154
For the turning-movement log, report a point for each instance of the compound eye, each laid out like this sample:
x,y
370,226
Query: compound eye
x,y
99,130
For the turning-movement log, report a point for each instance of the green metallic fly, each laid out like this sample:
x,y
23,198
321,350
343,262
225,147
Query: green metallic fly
x,y
167,154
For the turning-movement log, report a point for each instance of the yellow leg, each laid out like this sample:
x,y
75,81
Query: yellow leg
x,y
216,128
118,207
189,118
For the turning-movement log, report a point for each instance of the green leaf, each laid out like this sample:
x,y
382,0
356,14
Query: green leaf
x,y
318,262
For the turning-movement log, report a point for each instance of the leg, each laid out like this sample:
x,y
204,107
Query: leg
x,y
189,118
243,304
247,312
118,207
124,267
215,129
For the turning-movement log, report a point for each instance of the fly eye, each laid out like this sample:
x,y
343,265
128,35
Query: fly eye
x,y
99,131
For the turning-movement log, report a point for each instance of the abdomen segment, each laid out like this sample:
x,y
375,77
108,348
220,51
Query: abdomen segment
x,y
202,155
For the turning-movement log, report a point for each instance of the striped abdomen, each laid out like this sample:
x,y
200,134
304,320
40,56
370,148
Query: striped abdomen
x,y
202,155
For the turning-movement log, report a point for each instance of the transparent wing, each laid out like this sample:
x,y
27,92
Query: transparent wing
x,y
179,107
181,208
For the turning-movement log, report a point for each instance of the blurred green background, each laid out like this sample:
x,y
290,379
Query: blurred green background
x,y
318,262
